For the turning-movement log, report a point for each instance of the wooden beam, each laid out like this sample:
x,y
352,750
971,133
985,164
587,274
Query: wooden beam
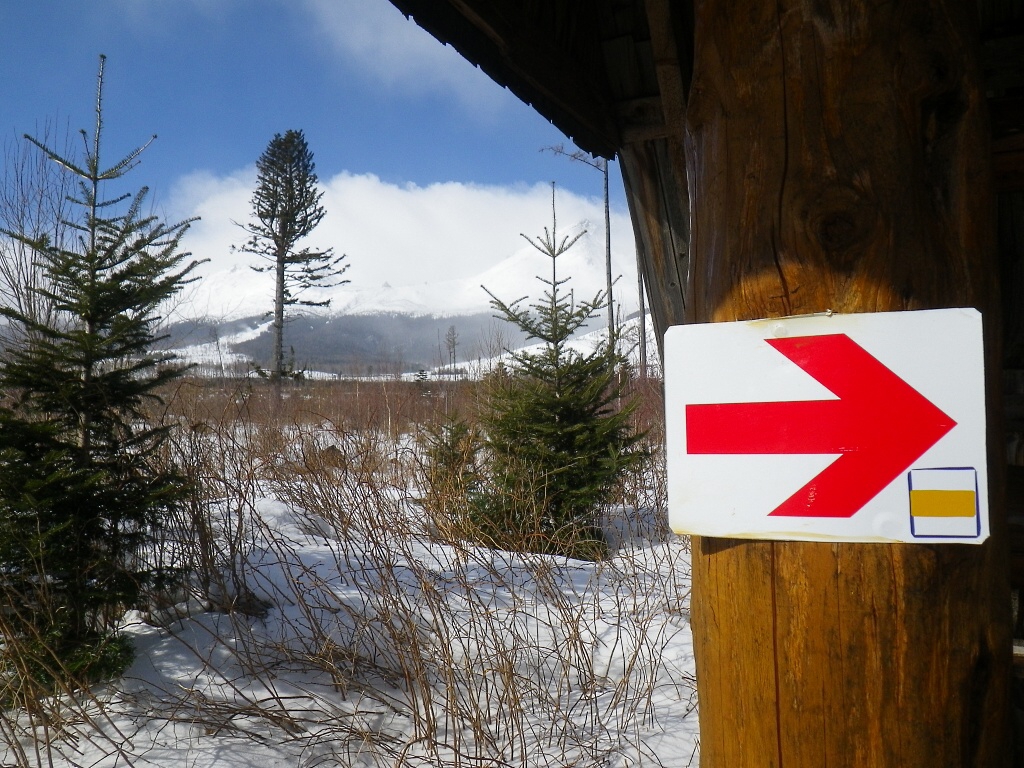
x,y
672,70
641,120
839,158
653,163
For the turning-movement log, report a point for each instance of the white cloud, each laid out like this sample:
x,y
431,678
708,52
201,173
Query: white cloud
x,y
228,288
438,241
376,38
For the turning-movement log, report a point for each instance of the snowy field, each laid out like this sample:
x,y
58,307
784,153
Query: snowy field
x,y
330,624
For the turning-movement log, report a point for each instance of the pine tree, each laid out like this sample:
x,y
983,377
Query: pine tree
x,y
557,443
81,490
285,209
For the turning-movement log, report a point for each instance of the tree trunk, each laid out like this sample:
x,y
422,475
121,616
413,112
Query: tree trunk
x,y
277,362
838,158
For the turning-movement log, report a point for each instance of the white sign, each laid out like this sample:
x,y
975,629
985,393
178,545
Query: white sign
x,y
829,428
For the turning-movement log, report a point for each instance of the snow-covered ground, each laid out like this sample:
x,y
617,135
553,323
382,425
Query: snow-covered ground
x,y
360,639
215,357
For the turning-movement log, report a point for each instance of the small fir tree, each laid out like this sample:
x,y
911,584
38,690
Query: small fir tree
x,y
557,443
81,489
285,209
450,475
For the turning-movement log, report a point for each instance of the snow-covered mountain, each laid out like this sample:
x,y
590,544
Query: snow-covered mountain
x,y
381,344
394,327
230,290
384,343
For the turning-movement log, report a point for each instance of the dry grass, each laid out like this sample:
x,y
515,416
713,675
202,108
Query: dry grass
x,y
329,613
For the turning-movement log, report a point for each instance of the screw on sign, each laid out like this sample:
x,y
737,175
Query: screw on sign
x,y
829,427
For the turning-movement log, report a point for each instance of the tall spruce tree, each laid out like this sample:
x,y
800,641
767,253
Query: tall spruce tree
x,y
285,209
81,490
557,440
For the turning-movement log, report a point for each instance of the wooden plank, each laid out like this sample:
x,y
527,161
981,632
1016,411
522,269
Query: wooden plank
x,y
672,68
1008,162
625,80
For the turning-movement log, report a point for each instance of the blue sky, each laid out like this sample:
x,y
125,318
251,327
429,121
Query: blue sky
x,y
381,103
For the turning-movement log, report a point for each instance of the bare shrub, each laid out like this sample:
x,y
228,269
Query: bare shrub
x,y
34,202
334,621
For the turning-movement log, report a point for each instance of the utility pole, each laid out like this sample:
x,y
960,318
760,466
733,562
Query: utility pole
x,y
601,164
608,248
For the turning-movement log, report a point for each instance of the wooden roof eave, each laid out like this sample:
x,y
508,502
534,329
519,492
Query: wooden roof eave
x,y
537,72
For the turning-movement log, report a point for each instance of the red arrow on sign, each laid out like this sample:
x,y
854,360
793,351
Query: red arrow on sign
x,y
879,425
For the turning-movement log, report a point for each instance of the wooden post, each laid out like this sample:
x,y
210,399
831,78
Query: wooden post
x,y
838,159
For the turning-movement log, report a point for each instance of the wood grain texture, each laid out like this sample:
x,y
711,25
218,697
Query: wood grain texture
x,y
848,147
654,174
838,158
